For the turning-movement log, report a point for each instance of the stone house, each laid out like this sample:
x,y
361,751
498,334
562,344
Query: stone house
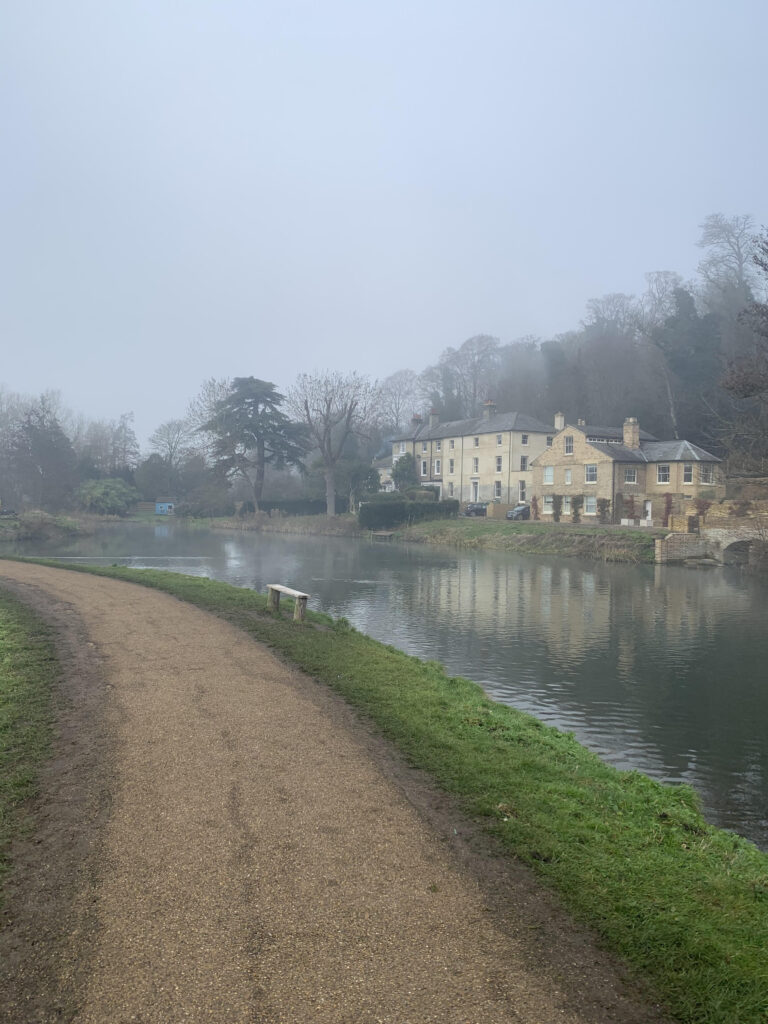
x,y
642,477
483,459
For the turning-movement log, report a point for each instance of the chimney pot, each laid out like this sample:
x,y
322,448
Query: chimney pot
x,y
559,421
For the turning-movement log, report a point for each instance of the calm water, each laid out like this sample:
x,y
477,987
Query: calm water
x,y
656,668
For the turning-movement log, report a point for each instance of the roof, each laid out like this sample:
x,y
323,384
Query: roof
x,y
479,425
594,431
655,451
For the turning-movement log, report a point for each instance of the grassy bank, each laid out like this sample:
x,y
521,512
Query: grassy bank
x,y
28,669
607,544
684,903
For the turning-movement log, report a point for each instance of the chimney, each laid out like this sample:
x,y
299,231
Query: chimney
x,y
489,409
434,418
416,422
559,421
631,432
581,422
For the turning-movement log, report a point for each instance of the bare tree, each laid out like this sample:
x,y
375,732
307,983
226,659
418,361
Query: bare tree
x,y
397,399
172,441
334,407
202,409
730,245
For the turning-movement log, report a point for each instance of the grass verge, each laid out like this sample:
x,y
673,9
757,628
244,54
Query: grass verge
x,y
683,903
608,544
28,668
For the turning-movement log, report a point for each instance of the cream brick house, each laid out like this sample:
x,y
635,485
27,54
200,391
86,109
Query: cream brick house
x,y
627,467
483,459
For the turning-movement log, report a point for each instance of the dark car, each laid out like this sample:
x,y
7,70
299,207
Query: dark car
x,y
519,512
475,508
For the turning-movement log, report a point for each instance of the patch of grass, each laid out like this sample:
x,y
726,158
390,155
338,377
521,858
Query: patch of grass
x,y
28,669
612,544
684,903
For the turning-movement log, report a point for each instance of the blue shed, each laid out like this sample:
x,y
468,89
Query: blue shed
x,y
164,506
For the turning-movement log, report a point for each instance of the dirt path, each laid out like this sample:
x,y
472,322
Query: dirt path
x,y
221,840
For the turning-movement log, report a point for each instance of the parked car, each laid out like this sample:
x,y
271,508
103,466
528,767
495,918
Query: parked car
x,y
476,508
519,512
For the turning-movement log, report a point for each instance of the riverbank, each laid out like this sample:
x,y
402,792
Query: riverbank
x,y
28,669
684,903
602,543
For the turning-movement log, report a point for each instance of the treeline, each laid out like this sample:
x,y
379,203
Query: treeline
x,y
689,359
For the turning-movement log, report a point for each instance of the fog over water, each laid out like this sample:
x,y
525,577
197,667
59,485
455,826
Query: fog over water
x,y
216,189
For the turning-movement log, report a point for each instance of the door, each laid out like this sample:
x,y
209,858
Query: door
x,y
647,510
475,490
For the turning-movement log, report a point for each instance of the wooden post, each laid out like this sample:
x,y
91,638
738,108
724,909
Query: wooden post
x,y
300,609
273,600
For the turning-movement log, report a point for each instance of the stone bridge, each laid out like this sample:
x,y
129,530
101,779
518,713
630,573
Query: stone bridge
x,y
734,545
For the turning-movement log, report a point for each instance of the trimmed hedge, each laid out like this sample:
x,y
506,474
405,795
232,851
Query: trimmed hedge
x,y
375,515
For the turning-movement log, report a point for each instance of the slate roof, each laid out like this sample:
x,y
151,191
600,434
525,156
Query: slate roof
x,y
592,431
655,451
479,425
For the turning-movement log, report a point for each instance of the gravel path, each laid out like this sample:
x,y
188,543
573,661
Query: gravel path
x,y
219,839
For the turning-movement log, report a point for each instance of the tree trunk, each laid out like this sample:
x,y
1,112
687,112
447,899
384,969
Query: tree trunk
x,y
330,491
258,482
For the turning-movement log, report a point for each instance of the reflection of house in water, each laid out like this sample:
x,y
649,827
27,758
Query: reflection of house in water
x,y
576,611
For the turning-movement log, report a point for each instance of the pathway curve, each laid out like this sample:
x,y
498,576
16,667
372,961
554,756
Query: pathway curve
x,y
220,840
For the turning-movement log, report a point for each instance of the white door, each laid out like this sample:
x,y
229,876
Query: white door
x,y
647,511
475,490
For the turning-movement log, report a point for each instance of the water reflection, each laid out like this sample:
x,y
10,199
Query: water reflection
x,y
656,668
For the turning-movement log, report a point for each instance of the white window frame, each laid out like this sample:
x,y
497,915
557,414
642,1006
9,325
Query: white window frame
x,y
523,463
549,440
568,477
438,467
438,446
590,472
548,476
568,444
499,440
590,504
707,473
497,488
521,490
524,439
451,464
662,473
498,463
402,447
547,504
630,474
452,444
424,467
566,504
450,488
475,465
476,442
423,446
687,472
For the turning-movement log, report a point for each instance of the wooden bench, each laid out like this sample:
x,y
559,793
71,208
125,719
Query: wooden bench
x,y
274,590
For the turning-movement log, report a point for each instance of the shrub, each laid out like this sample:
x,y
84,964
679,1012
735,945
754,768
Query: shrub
x,y
423,494
302,506
557,507
535,507
603,509
577,503
110,497
375,515
740,509
667,509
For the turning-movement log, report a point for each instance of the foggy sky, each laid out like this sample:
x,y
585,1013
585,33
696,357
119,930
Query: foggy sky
x,y
221,188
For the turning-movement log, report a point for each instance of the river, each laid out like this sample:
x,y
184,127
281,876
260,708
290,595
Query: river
x,y
657,668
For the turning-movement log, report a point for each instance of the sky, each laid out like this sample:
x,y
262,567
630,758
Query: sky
x,y
196,189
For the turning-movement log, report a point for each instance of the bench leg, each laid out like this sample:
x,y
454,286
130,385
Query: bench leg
x,y
300,609
273,600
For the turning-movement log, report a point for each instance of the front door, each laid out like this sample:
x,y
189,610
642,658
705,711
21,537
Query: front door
x,y
475,490
647,510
